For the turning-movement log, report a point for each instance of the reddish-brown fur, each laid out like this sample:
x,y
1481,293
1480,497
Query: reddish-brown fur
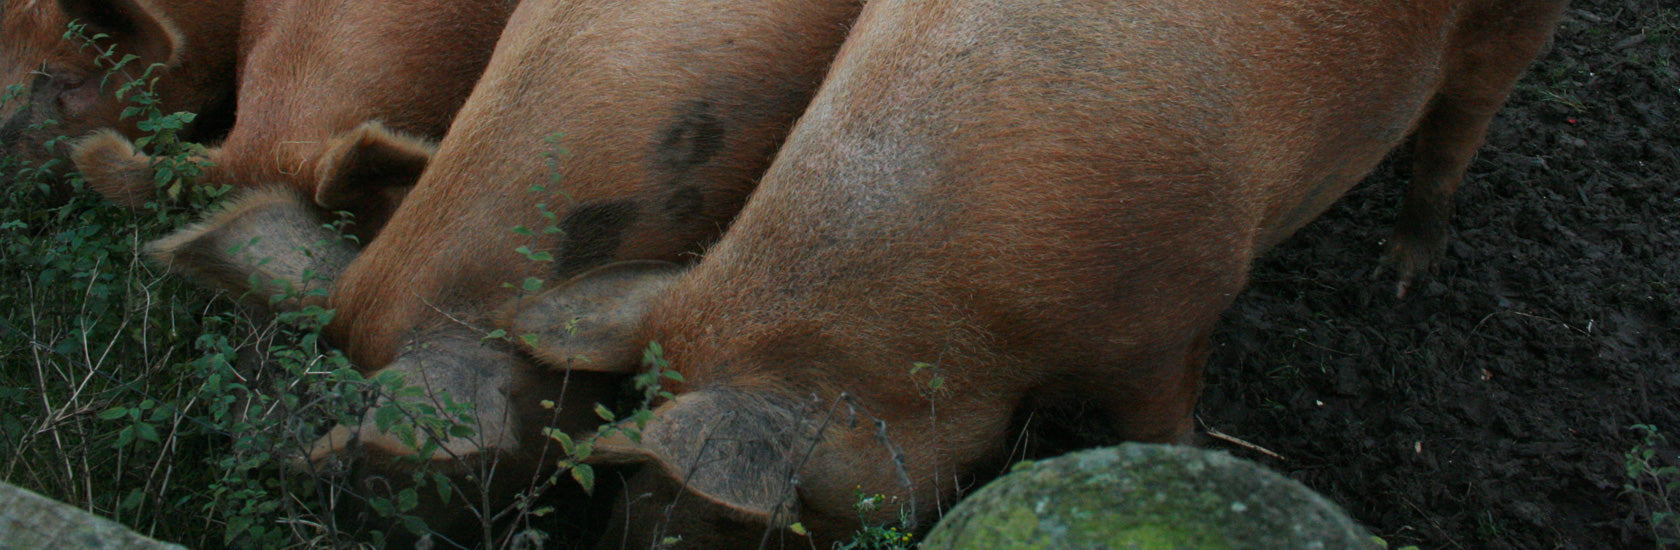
x,y
668,111
320,70
1049,206
628,87
62,82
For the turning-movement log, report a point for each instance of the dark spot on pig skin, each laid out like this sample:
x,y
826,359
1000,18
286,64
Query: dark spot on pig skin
x,y
685,204
692,140
591,233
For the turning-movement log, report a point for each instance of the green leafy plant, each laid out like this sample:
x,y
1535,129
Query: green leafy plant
x,y
175,163
876,536
551,221
139,397
184,413
1653,485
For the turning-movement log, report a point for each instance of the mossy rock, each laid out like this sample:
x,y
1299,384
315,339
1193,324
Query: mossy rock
x,y
1146,497
28,520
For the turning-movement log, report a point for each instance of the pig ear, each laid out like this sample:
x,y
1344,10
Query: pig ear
x,y
262,243
589,322
135,26
733,449
115,168
368,170
442,369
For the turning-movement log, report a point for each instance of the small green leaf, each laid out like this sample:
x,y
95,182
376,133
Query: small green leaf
x,y
585,476
442,483
146,432
604,413
381,505
132,501
407,499
386,417
562,437
534,255
113,413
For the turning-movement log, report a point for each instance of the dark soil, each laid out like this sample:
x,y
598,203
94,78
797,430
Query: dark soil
x,y
1491,408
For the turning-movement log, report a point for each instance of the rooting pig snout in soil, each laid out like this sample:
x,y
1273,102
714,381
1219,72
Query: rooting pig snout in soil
x,y
1492,407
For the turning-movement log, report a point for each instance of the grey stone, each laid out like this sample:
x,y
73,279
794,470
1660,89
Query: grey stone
x,y
1139,496
29,521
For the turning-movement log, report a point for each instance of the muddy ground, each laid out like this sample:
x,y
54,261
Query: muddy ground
x,y
1492,407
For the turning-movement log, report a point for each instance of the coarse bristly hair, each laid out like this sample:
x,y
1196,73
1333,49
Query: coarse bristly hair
x,y
31,31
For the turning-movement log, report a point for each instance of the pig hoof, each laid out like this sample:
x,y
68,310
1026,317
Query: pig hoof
x,y
1407,259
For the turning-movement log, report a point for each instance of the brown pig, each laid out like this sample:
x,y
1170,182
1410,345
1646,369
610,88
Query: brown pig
x,y
999,210
66,92
609,131
337,101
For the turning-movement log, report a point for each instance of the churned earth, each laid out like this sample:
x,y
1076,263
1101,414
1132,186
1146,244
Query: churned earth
x,y
1492,407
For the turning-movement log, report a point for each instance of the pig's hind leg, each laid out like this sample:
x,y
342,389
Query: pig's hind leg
x,y
1489,51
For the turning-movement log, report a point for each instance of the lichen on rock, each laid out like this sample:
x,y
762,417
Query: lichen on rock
x,y
1146,497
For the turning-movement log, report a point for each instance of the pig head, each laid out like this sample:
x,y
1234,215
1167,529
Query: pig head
x,y
451,403
600,132
340,101
66,90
